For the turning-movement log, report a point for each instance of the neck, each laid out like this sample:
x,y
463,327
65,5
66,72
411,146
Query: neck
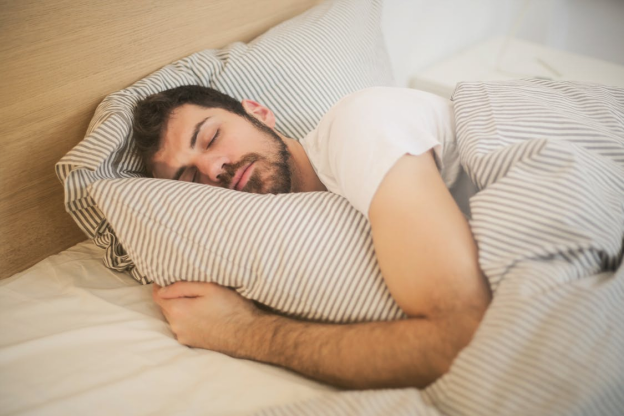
x,y
305,178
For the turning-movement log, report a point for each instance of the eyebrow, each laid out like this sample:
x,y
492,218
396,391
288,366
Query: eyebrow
x,y
198,127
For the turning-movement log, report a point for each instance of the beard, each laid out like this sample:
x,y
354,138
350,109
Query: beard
x,y
275,163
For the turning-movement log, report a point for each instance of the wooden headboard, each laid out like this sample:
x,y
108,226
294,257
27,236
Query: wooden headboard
x,y
59,59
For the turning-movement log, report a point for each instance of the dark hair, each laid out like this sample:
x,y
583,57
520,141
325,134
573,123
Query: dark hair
x,y
151,114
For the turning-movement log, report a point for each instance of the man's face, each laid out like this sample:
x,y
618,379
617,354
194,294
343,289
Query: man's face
x,y
215,147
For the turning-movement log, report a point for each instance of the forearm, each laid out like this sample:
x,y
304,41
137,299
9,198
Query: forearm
x,y
408,352
412,352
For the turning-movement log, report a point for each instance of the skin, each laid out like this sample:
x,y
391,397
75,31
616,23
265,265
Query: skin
x,y
416,228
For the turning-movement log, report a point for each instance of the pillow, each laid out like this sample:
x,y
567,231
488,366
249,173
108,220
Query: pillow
x,y
308,255
299,69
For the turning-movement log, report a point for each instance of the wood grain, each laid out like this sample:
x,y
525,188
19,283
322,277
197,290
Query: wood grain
x,y
60,58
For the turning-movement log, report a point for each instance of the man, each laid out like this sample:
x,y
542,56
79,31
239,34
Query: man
x,y
380,148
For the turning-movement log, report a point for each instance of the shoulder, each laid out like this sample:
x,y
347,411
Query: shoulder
x,y
387,99
380,107
386,107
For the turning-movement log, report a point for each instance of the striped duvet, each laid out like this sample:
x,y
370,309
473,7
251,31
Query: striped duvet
x,y
548,158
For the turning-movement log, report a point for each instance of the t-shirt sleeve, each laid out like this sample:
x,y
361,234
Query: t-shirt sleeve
x,y
366,137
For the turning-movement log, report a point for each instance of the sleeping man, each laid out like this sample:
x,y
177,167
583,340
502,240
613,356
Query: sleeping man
x,y
385,151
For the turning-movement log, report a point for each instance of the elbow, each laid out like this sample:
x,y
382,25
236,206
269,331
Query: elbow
x,y
456,331
460,328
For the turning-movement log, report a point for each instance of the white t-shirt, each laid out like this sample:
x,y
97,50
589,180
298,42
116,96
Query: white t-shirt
x,y
363,135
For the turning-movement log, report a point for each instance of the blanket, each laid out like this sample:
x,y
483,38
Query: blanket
x,y
548,159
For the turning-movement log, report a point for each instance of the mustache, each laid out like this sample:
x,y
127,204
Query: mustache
x,y
230,169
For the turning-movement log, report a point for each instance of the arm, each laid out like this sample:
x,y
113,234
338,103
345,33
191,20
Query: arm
x,y
423,243
445,302
406,353
411,352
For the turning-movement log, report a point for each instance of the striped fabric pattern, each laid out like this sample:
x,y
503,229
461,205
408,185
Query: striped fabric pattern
x,y
522,154
403,402
549,222
298,69
308,255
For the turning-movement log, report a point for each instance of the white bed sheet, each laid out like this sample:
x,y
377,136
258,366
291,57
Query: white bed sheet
x,y
78,338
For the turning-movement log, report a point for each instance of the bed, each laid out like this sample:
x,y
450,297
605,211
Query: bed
x,y
80,332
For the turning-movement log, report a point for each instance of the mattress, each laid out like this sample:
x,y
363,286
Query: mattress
x,y
78,338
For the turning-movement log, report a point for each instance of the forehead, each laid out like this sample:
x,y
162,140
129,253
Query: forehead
x,y
182,122
184,119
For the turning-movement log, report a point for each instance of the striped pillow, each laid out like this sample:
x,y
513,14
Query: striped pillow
x,y
308,255
299,69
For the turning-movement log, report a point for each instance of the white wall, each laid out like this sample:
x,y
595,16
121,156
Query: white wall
x,y
421,32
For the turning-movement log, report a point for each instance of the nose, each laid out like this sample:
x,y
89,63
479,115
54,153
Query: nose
x,y
212,169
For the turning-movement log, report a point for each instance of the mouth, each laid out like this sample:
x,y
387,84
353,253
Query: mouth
x,y
242,177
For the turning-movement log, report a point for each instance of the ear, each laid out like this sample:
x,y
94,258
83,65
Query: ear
x,y
260,112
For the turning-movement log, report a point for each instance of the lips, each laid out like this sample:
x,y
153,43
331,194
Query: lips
x,y
242,176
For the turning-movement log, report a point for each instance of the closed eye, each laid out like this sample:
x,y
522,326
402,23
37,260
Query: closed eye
x,y
196,173
214,138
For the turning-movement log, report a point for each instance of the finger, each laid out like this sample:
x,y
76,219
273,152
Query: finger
x,y
184,289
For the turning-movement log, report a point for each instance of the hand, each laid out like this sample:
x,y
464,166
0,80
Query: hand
x,y
207,315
